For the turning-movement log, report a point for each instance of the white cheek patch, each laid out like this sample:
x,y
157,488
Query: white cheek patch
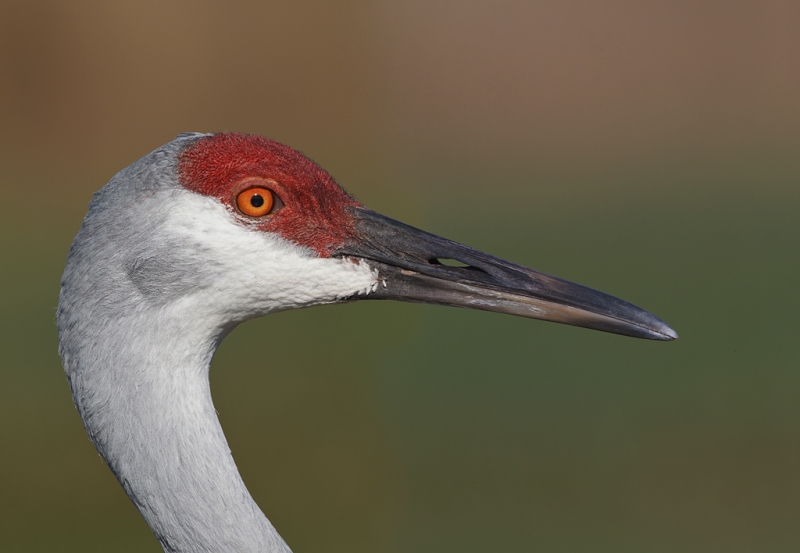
x,y
251,272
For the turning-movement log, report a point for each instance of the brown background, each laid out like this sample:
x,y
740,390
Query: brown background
x,y
646,148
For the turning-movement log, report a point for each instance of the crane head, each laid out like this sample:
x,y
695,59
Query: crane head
x,y
243,226
211,230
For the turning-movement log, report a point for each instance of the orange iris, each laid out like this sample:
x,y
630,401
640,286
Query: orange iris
x,y
255,202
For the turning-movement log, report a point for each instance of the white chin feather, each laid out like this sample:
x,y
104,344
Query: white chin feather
x,y
247,273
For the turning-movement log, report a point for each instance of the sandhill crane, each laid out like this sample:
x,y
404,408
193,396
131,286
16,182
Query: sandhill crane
x,y
211,230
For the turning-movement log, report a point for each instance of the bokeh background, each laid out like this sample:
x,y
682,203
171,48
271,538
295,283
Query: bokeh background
x,y
649,149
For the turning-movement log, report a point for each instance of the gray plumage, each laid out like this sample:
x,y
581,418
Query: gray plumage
x,y
139,374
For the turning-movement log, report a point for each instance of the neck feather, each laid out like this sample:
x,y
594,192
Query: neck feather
x,y
141,385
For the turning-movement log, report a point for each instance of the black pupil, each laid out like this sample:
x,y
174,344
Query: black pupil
x,y
256,200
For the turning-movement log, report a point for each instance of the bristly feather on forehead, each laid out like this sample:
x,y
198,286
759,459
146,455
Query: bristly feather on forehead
x,y
315,212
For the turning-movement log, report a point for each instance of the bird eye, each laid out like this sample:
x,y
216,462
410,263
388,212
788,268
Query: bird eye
x,y
255,202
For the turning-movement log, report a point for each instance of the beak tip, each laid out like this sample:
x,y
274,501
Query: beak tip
x,y
667,332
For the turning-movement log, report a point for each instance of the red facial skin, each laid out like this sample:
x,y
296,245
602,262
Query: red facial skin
x,y
314,212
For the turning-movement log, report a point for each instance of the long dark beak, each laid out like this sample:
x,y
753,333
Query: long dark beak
x,y
411,265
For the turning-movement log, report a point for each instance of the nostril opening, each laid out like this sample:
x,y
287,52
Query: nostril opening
x,y
448,262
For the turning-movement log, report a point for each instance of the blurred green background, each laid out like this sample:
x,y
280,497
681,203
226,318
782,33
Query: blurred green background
x,y
649,149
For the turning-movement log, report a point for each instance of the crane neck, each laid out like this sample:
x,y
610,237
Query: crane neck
x,y
140,382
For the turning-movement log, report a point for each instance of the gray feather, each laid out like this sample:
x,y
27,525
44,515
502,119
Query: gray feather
x,y
139,374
